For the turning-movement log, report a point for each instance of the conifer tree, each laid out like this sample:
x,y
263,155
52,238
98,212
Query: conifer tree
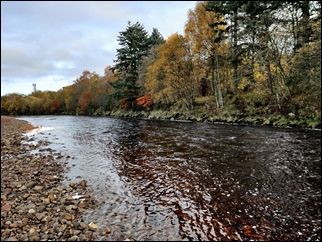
x,y
135,44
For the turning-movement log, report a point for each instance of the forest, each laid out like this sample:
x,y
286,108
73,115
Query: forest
x,y
237,61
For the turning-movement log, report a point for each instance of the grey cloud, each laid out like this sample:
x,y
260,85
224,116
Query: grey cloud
x,y
40,40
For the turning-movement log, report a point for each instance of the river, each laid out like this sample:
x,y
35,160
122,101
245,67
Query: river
x,y
162,180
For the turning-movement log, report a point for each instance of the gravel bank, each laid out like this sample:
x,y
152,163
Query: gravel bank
x,y
35,205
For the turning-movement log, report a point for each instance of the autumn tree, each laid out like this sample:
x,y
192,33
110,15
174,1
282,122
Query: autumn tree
x,y
304,76
155,40
231,11
169,78
206,32
13,103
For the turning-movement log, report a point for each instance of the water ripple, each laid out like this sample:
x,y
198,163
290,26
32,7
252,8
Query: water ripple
x,y
188,181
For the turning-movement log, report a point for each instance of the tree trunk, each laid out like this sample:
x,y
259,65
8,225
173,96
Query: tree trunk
x,y
213,80
235,64
220,98
269,76
305,23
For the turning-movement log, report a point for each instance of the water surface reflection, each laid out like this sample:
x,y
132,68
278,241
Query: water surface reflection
x,y
193,181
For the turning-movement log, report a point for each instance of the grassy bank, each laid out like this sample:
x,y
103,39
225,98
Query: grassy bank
x,y
225,117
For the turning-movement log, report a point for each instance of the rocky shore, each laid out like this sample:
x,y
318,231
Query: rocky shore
x,y
35,205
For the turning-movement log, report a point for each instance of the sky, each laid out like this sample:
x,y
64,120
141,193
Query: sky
x,y
52,43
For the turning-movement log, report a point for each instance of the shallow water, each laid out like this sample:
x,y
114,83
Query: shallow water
x,y
163,180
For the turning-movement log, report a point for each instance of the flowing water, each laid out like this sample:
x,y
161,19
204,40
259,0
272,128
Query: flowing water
x,y
163,180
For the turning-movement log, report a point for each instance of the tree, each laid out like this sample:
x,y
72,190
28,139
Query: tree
x,y
304,78
13,103
169,78
231,11
135,45
156,38
206,33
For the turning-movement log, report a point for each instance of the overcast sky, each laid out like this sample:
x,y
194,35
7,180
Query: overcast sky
x,y
51,43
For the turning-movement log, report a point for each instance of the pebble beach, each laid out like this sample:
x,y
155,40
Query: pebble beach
x,y
35,203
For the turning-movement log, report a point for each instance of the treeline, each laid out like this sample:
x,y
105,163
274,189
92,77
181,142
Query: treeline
x,y
247,60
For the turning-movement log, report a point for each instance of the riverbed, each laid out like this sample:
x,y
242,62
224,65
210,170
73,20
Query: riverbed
x,y
161,180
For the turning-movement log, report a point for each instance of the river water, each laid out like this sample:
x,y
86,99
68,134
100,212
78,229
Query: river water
x,y
162,180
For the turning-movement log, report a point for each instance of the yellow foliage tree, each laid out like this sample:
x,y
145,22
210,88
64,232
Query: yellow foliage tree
x,y
207,47
169,78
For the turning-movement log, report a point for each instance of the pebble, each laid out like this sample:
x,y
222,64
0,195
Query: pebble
x,y
6,207
31,211
32,231
74,238
38,188
92,226
33,197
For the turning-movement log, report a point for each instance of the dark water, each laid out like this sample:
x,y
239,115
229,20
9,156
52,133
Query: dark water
x,y
194,181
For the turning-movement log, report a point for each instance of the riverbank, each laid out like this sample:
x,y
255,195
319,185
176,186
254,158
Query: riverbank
x,y
35,205
228,117
194,116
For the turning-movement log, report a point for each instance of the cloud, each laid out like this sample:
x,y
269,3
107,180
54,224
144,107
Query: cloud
x,y
46,40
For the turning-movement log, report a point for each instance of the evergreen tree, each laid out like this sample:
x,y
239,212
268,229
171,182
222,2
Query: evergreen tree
x,y
156,38
135,44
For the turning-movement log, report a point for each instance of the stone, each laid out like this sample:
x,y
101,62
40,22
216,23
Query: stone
x,y
31,211
40,216
92,226
33,232
31,206
13,225
12,239
41,208
83,183
22,188
69,217
6,207
34,238
46,201
106,231
33,201
76,232
74,238
82,203
247,230
38,188
71,208
72,185
46,219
